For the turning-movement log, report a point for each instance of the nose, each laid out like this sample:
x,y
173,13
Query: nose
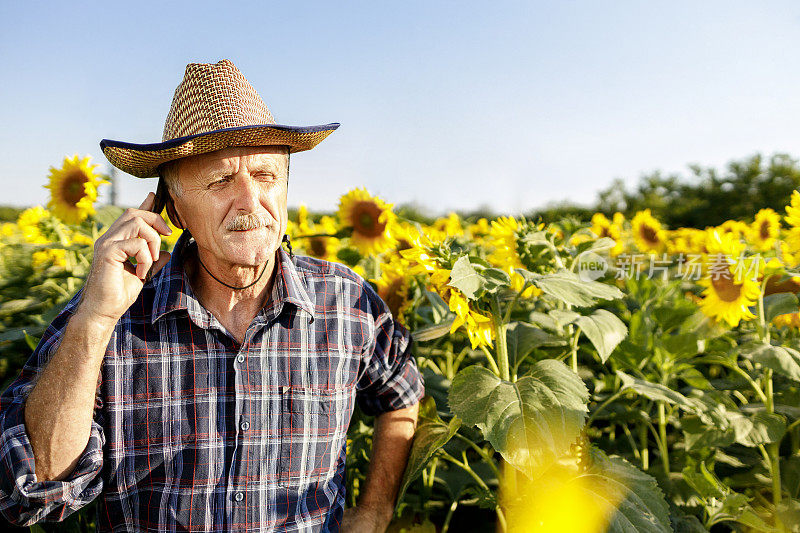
x,y
248,195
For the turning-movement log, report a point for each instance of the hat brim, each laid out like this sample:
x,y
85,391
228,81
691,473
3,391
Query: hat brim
x,y
142,160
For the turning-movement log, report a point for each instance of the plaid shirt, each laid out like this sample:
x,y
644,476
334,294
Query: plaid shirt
x,y
193,431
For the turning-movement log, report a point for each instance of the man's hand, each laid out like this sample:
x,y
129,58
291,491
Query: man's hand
x,y
113,283
59,409
363,520
391,444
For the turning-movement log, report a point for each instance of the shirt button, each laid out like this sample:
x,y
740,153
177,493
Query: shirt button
x,y
240,358
245,425
239,496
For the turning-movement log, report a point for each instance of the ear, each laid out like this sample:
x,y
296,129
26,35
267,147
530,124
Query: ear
x,y
172,213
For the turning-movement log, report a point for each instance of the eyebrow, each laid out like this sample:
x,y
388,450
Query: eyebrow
x,y
214,174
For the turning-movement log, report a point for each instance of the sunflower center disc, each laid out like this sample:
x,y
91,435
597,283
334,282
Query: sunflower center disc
x,y
72,187
366,215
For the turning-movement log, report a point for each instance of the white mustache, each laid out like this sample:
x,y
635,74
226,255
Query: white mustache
x,y
247,222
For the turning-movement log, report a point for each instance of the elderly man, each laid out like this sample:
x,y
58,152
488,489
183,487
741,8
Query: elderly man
x,y
216,395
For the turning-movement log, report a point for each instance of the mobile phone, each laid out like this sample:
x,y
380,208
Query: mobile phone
x,y
161,197
159,202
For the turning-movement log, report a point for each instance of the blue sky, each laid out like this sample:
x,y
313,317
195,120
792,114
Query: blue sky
x,y
452,105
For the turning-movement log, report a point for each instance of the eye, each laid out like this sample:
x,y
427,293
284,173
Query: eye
x,y
220,181
265,176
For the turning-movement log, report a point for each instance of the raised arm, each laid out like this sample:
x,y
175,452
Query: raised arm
x,y
59,409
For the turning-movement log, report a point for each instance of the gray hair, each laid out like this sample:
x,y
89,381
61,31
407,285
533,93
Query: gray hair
x,y
169,173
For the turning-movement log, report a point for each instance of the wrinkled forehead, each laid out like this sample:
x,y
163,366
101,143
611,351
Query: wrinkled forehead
x,y
233,159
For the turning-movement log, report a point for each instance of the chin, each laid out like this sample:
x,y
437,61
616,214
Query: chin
x,y
251,251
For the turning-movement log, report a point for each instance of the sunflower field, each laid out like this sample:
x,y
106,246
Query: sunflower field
x,y
615,375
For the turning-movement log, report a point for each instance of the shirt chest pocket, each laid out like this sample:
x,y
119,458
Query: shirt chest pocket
x,y
313,428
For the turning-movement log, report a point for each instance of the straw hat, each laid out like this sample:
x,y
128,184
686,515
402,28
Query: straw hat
x,y
214,107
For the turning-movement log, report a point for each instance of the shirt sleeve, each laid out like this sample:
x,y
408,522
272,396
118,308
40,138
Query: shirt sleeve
x,y
24,500
389,378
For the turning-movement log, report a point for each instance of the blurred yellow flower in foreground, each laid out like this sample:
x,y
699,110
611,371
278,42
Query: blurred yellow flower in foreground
x,y
560,495
73,189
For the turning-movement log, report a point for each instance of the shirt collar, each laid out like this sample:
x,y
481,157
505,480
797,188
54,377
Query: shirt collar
x,y
173,291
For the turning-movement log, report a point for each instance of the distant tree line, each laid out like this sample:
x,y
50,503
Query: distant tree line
x,y
707,197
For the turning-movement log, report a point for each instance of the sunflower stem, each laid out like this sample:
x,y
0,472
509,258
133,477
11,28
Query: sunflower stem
x,y
502,343
773,450
491,360
575,333
662,429
645,450
762,319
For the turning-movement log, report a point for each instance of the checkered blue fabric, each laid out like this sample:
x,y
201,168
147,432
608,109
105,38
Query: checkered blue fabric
x,y
193,431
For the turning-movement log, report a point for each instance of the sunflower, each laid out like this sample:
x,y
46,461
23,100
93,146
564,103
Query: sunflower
x,y
788,320
371,219
393,288
480,228
647,232
406,234
30,224
503,236
735,227
449,226
420,257
42,259
765,229
73,189
686,241
602,227
793,211
320,246
728,294
790,248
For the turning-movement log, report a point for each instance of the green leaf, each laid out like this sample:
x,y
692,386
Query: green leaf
x,y
781,359
642,506
603,243
572,290
465,278
563,317
428,333
529,422
681,345
789,513
31,341
431,434
702,480
495,279
655,391
779,304
604,330
697,435
522,338
761,428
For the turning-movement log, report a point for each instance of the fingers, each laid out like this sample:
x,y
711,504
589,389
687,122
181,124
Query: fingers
x,y
137,248
149,202
158,265
153,219
136,227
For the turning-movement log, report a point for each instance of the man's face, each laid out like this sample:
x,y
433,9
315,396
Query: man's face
x,y
220,188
